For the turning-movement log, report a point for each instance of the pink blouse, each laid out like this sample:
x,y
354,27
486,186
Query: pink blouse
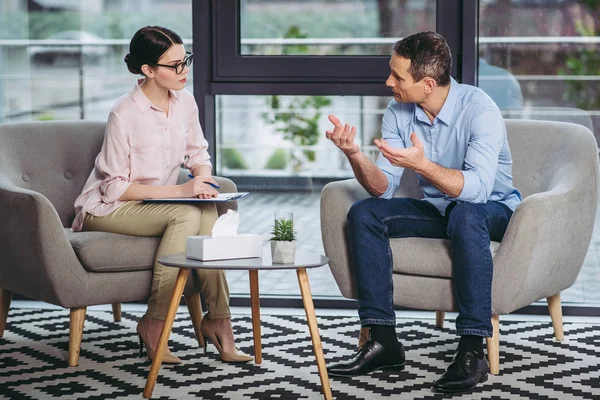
x,y
142,145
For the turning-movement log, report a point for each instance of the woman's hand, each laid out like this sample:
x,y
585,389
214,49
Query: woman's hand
x,y
196,187
208,179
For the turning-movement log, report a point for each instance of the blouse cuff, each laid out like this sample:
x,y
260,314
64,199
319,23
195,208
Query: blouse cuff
x,y
113,190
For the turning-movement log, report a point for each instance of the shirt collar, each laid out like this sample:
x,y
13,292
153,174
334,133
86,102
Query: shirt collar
x,y
445,114
144,102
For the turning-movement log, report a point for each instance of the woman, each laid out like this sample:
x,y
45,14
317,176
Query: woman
x,y
150,132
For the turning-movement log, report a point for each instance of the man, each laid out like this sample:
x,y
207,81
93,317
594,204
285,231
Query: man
x,y
453,136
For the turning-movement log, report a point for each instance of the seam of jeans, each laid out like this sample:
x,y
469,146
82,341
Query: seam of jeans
x,y
408,217
391,283
372,321
474,332
490,275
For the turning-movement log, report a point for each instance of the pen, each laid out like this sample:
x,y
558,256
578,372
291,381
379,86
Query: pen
x,y
208,183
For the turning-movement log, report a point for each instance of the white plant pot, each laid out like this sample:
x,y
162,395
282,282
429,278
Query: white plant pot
x,y
283,252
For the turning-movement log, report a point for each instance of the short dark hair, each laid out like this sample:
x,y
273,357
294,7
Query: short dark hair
x,y
148,45
429,55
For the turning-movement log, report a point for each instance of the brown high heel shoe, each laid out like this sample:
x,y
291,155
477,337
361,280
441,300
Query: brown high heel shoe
x,y
142,331
235,356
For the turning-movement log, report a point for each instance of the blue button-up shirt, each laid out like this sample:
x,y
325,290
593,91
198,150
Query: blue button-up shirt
x,y
468,134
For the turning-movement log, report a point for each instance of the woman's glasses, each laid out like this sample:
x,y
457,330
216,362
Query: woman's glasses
x,y
187,61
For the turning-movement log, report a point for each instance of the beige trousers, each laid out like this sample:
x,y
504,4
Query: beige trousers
x,y
174,222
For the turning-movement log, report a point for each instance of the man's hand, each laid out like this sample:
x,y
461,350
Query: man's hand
x,y
412,157
343,136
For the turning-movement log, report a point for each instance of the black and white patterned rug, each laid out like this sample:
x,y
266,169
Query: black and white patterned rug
x,y
33,363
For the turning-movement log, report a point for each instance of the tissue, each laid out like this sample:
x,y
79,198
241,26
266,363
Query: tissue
x,y
225,243
227,224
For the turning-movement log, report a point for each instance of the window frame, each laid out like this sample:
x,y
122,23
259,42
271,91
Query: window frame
x,y
229,65
221,69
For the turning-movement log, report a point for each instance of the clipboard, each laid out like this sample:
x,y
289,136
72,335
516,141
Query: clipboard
x,y
221,198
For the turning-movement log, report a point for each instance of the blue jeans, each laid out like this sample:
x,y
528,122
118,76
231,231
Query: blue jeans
x,y
470,227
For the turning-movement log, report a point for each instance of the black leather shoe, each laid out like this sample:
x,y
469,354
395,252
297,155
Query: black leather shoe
x,y
371,357
463,374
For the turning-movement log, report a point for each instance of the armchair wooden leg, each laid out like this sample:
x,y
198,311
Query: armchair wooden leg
x,y
75,334
493,346
194,306
555,309
116,312
363,336
439,319
5,299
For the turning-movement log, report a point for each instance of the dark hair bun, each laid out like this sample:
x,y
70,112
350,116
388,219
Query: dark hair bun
x,y
148,45
131,65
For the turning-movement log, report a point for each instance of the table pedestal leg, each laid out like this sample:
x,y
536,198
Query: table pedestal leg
x,y
166,331
314,331
255,302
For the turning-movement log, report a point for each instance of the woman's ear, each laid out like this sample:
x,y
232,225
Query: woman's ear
x,y
147,71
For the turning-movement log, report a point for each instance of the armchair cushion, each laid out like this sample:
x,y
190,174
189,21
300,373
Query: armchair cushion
x,y
110,252
425,257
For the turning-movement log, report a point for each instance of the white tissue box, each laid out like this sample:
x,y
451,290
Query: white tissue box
x,y
208,248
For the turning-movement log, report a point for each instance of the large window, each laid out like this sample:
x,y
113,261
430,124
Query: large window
x,y
285,135
64,59
311,27
552,62
275,147
541,60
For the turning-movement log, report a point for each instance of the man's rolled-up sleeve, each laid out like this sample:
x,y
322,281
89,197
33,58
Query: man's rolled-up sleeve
x,y
481,161
113,161
196,145
390,133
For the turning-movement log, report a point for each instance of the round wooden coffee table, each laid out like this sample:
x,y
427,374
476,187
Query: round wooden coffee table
x,y
304,260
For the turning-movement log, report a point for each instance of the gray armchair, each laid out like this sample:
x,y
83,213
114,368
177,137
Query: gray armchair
x,y
555,166
559,114
43,167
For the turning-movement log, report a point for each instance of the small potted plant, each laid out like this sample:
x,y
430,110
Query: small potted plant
x,y
283,242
